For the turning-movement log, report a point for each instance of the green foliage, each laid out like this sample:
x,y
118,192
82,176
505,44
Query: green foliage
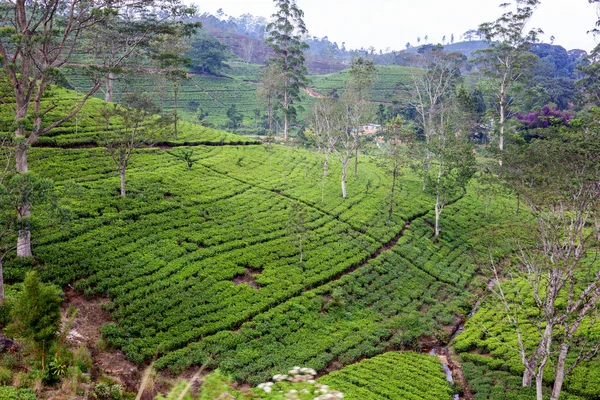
x,y
88,128
82,359
36,314
107,391
285,38
207,55
407,375
12,393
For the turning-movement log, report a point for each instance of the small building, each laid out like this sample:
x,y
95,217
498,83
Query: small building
x,y
370,129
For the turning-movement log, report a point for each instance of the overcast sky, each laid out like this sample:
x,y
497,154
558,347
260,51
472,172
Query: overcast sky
x,y
393,23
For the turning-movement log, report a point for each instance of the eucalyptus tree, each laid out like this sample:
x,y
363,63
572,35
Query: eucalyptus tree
x,y
269,89
334,123
285,38
129,127
451,167
432,87
39,37
507,60
362,76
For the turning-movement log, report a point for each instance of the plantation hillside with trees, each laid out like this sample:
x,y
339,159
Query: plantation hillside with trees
x,y
198,206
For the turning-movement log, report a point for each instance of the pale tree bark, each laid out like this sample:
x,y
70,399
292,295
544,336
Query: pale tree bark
x,y
108,93
122,176
286,118
344,175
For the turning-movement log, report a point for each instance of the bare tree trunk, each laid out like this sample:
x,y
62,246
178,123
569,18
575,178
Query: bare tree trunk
x,y
502,121
559,376
326,163
108,95
438,211
24,238
175,116
122,175
391,210
270,109
356,156
527,378
286,121
539,387
344,174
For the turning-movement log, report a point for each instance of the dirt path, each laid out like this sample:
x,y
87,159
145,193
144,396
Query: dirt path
x,y
86,331
313,93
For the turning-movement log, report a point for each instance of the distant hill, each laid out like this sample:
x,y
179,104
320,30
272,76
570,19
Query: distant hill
x,y
467,48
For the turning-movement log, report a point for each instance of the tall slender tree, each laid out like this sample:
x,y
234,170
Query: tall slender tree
x,y
362,77
507,60
285,38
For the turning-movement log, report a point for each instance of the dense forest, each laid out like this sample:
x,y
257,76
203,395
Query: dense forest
x,y
198,206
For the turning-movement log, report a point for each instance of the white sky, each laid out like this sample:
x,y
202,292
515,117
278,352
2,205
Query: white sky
x,y
392,23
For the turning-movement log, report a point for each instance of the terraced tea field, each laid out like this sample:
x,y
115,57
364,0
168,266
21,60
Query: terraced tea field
x,y
214,95
88,128
487,350
408,375
200,266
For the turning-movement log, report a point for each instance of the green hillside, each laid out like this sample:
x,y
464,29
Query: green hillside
x,y
214,95
88,127
407,375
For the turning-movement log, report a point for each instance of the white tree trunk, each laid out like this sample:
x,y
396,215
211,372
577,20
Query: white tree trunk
x,y
24,238
344,174
122,175
539,387
559,376
286,121
438,211
108,95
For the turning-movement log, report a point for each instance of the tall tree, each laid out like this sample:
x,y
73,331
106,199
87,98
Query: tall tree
x,y
38,37
285,38
432,87
451,167
362,76
507,60
269,89
395,153
555,273
129,127
168,52
334,122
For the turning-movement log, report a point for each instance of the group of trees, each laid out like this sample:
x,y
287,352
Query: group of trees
x,y
552,163
37,40
336,121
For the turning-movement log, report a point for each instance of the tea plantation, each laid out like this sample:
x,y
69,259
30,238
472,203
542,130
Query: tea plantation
x,y
215,94
408,375
494,368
